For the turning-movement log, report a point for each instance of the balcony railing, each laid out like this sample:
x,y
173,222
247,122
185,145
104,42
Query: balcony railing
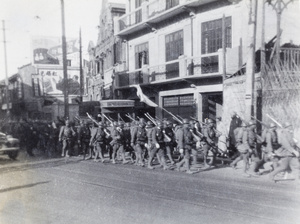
x,y
183,67
151,10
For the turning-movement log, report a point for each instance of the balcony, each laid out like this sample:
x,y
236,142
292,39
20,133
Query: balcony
x,y
153,12
183,68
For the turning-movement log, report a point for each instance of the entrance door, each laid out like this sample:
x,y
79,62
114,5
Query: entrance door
x,y
212,104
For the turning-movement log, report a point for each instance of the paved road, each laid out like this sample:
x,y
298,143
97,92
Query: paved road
x,y
76,191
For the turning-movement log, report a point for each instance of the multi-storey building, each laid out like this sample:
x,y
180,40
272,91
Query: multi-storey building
x,y
180,51
106,56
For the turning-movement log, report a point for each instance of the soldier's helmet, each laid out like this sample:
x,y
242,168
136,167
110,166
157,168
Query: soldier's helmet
x,y
149,124
121,124
169,123
142,124
210,121
160,124
185,121
115,123
272,125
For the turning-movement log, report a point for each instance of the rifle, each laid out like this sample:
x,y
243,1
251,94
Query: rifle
x,y
166,137
108,119
173,116
131,118
276,122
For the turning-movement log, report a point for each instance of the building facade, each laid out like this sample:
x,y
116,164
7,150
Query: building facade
x,y
180,52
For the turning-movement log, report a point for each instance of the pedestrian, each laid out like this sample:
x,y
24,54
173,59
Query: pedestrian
x,y
222,139
66,135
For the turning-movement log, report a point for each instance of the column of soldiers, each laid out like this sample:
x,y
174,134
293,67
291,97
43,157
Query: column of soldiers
x,y
172,144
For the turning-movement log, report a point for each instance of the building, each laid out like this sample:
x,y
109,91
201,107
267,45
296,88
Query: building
x,y
180,51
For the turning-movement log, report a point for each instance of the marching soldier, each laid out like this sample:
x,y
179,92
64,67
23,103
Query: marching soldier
x,y
185,142
245,144
236,122
170,144
118,141
158,146
288,153
98,140
65,136
269,146
210,136
139,142
84,136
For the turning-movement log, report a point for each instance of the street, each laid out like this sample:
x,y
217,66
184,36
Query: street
x,y
61,190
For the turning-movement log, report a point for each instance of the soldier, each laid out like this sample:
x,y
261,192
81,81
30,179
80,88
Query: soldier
x,y
245,144
128,148
159,146
288,153
65,136
185,141
118,141
83,137
139,142
170,145
210,136
269,146
236,122
98,140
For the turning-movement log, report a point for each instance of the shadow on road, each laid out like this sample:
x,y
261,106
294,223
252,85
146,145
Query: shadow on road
x,y
38,165
21,187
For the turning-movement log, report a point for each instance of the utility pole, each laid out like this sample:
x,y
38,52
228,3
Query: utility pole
x,y
80,67
278,6
250,66
64,50
5,65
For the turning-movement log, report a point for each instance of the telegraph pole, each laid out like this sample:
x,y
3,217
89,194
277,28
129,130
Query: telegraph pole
x,y
64,50
80,66
250,66
5,65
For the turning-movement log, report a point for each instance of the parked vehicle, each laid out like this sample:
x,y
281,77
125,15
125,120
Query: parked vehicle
x,y
9,146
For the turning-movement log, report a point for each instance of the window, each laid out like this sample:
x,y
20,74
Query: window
x,y
171,3
174,48
182,105
174,45
141,55
138,14
212,35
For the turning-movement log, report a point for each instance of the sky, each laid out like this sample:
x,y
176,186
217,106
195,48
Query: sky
x,y
27,18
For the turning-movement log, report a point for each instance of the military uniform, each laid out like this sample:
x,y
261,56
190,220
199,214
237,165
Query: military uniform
x,y
98,140
66,136
209,143
170,145
185,141
289,156
84,136
118,142
158,146
139,143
